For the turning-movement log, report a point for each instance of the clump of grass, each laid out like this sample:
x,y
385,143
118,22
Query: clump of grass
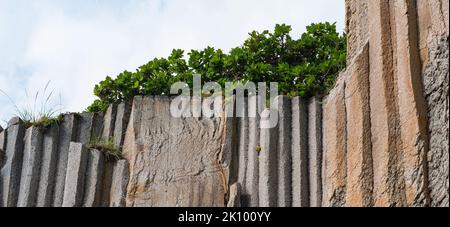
x,y
40,113
107,146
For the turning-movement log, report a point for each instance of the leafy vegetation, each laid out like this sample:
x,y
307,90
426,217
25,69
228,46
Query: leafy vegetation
x,y
39,113
303,67
107,146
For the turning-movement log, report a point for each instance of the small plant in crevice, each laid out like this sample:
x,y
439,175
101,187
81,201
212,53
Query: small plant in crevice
x,y
107,146
40,113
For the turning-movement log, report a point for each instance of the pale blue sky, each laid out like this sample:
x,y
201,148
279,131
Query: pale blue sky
x,y
76,44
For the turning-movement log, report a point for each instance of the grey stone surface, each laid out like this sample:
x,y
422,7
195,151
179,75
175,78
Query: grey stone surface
x,y
109,121
107,183
315,151
12,165
85,126
268,167
67,134
93,181
251,196
175,161
284,152
97,128
2,147
121,123
76,175
48,167
235,195
436,86
300,186
243,142
2,154
121,176
31,166
14,121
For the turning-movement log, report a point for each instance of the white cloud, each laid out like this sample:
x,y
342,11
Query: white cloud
x,y
75,51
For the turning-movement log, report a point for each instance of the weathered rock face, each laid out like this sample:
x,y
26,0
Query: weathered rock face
x,y
396,107
175,161
436,92
380,138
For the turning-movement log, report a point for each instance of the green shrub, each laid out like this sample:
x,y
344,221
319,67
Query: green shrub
x,y
303,67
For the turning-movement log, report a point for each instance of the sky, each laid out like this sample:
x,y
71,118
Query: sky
x,y
76,44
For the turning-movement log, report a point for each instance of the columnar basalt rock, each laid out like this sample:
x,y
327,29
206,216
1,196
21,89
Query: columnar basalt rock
x,y
2,146
48,167
121,123
384,119
32,160
175,161
268,167
243,142
76,174
359,153
235,196
93,181
436,91
85,123
11,170
109,121
412,107
315,151
379,138
67,134
284,149
119,184
335,147
300,184
250,197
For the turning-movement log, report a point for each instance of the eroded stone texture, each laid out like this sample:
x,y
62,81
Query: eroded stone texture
x,y
2,146
284,150
32,160
359,156
85,126
300,184
436,92
388,186
235,196
107,178
412,106
268,167
109,121
243,142
335,146
2,154
251,196
121,123
48,167
315,151
12,163
173,161
76,175
119,184
67,134
356,26
93,181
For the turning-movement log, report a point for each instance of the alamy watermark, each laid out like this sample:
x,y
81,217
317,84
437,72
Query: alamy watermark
x,y
211,101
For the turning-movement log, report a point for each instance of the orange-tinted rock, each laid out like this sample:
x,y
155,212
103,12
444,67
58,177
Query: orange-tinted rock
x,y
175,161
335,135
359,156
